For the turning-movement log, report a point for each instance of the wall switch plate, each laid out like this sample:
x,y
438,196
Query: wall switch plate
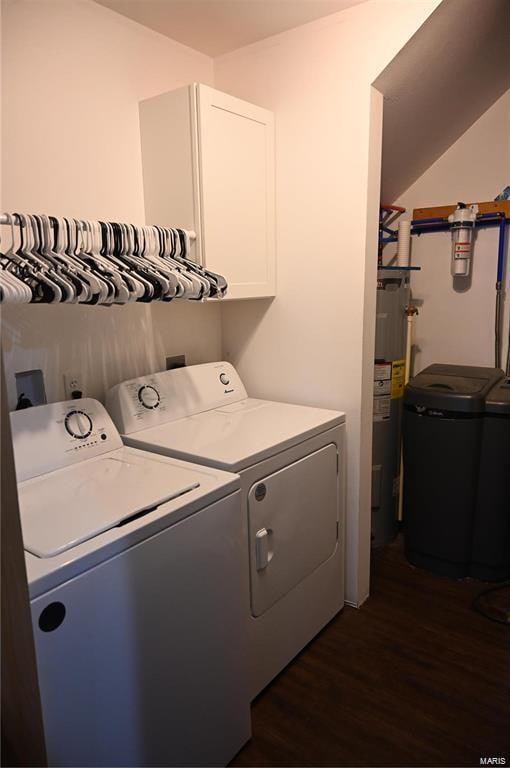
x,y
72,385
30,388
177,361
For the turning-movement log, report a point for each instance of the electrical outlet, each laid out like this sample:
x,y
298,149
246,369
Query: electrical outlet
x,y
72,385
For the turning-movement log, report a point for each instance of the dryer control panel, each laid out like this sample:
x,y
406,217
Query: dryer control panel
x,y
56,435
142,401
170,395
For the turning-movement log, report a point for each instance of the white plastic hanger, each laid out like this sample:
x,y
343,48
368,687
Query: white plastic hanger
x,y
46,288
13,289
43,255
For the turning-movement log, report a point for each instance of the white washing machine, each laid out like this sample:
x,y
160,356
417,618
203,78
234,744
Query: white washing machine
x,y
134,571
291,462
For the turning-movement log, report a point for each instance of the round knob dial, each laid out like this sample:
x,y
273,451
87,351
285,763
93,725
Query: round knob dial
x,y
78,424
148,396
224,379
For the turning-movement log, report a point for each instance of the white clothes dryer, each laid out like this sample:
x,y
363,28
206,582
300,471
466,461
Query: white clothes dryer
x,y
291,462
134,569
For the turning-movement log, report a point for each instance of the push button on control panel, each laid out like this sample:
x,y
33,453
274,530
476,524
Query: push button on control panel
x,y
148,396
224,379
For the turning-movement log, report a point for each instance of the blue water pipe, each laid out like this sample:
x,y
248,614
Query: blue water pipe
x,y
501,249
416,229
432,220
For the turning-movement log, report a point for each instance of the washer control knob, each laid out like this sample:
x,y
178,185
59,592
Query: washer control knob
x,y
224,379
148,396
78,424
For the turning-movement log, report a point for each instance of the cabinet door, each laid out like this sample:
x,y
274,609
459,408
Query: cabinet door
x,y
236,141
168,133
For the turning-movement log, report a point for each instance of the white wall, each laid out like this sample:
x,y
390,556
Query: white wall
x,y
307,344
454,326
74,73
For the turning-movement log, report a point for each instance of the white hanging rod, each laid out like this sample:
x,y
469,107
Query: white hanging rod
x,y
5,219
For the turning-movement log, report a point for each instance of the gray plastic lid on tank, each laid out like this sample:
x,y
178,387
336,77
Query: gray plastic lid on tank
x,y
498,399
455,388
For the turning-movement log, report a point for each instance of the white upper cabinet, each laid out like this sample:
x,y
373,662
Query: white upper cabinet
x,y
208,166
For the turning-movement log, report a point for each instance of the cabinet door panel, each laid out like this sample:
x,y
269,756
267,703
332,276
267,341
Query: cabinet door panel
x,y
237,194
169,162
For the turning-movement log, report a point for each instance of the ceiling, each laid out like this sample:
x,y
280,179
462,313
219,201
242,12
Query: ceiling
x,y
216,27
449,73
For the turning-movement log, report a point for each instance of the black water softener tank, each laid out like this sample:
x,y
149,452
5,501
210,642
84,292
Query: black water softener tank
x,y
443,422
491,525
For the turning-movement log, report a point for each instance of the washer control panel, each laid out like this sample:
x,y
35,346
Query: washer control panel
x,y
170,395
56,435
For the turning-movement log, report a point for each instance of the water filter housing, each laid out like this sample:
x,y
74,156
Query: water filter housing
x,y
462,221
393,293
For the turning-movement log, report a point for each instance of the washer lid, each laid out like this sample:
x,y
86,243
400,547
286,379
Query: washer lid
x,y
69,506
238,435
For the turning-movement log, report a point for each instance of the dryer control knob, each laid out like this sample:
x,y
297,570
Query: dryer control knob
x,y
78,424
224,379
148,396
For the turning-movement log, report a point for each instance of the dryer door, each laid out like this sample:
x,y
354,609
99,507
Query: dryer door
x,y
293,525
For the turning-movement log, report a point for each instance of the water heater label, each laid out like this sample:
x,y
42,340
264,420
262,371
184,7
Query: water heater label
x,y
382,407
382,387
382,379
382,371
398,369
382,391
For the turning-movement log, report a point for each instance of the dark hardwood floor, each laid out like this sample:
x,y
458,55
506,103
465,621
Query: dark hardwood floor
x,y
413,678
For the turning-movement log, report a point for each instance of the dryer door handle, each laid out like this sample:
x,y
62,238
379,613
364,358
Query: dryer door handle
x,y
262,554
